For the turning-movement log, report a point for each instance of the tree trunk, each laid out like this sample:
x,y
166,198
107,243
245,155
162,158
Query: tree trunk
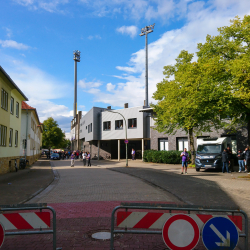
x,y
248,130
191,141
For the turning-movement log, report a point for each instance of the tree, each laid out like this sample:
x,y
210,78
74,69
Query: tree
x,y
66,143
186,100
230,51
52,134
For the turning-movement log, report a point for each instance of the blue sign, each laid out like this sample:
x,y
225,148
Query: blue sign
x,y
220,233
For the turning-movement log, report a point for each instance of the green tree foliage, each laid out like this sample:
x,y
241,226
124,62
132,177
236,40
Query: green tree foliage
x,y
226,57
52,135
185,100
194,96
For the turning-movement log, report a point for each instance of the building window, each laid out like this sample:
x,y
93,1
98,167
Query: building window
x,y
11,136
163,144
4,100
90,128
119,124
16,138
106,126
17,109
182,142
3,135
12,105
132,123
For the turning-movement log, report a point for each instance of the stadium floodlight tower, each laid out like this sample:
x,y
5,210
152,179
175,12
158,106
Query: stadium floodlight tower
x,y
145,31
76,58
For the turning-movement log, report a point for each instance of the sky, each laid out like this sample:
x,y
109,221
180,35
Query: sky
x,y
38,37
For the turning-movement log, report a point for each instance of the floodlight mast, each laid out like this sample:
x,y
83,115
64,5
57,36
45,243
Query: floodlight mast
x,y
76,58
145,31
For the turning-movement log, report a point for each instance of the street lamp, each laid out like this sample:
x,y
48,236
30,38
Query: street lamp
x,y
145,31
125,133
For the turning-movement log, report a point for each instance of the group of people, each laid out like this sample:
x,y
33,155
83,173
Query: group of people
x,y
243,160
84,156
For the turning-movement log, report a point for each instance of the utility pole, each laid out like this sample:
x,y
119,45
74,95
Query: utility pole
x,y
145,31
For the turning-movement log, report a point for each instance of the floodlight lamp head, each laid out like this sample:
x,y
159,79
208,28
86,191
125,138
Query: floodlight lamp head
x,y
76,54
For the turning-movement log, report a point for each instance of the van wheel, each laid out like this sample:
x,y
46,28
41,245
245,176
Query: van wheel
x,y
197,169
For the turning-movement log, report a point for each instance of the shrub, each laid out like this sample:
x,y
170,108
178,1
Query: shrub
x,y
168,157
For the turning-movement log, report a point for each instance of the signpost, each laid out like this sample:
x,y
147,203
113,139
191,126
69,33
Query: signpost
x,y
181,232
220,233
126,141
1,235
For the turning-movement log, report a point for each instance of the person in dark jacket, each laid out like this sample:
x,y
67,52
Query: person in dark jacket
x,y
225,160
230,158
240,156
247,159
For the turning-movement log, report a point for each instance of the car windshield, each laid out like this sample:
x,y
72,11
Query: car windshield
x,y
55,154
209,149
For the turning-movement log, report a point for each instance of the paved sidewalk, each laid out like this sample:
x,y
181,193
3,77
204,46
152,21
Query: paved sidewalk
x,y
18,187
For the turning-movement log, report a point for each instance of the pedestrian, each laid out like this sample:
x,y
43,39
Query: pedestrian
x,y
88,157
247,159
225,160
240,156
133,154
72,159
184,160
230,158
84,155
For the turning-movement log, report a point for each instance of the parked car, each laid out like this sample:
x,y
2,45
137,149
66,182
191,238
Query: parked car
x,y
54,156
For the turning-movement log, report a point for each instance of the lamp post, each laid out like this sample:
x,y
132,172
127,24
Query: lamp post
x,y
125,133
76,58
145,31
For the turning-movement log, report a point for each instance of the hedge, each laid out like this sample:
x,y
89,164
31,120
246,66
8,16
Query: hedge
x,y
169,157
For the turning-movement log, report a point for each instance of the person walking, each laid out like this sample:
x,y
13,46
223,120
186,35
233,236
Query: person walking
x,y
72,159
133,154
88,157
84,155
184,160
240,156
225,160
247,160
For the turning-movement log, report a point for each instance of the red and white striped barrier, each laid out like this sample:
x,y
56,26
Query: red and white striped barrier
x,y
13,221
148,220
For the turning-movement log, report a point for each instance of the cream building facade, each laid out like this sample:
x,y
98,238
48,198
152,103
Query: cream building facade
x,y
31,134
10,122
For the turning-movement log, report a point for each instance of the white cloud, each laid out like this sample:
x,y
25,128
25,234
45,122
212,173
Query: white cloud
x,y
202,19
47,5
13,44
8,32
88,85
94,37
110,87
132,30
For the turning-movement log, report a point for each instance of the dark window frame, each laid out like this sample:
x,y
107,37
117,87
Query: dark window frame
x,y
118,124
132,123
183,139
162,140
107,126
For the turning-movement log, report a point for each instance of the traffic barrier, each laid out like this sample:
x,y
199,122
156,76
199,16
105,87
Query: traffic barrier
x,y
17,222
206,222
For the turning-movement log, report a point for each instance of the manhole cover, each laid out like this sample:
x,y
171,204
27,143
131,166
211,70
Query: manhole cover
x,y
101,236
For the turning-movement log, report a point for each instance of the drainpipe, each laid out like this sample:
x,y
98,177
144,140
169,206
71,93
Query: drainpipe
x,y
26,134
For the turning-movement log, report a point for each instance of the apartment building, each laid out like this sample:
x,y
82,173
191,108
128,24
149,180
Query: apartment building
x,y
10,122
31,133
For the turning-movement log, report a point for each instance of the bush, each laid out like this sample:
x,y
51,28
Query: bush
x,y
168,157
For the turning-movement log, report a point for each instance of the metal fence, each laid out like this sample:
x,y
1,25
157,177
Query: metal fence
x,y
169,208
38,206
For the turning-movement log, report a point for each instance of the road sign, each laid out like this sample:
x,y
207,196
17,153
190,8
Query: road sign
x,y
1,235
126,141
220,233
181,232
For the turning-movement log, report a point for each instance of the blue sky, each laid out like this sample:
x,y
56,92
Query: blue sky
x,y
38,37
